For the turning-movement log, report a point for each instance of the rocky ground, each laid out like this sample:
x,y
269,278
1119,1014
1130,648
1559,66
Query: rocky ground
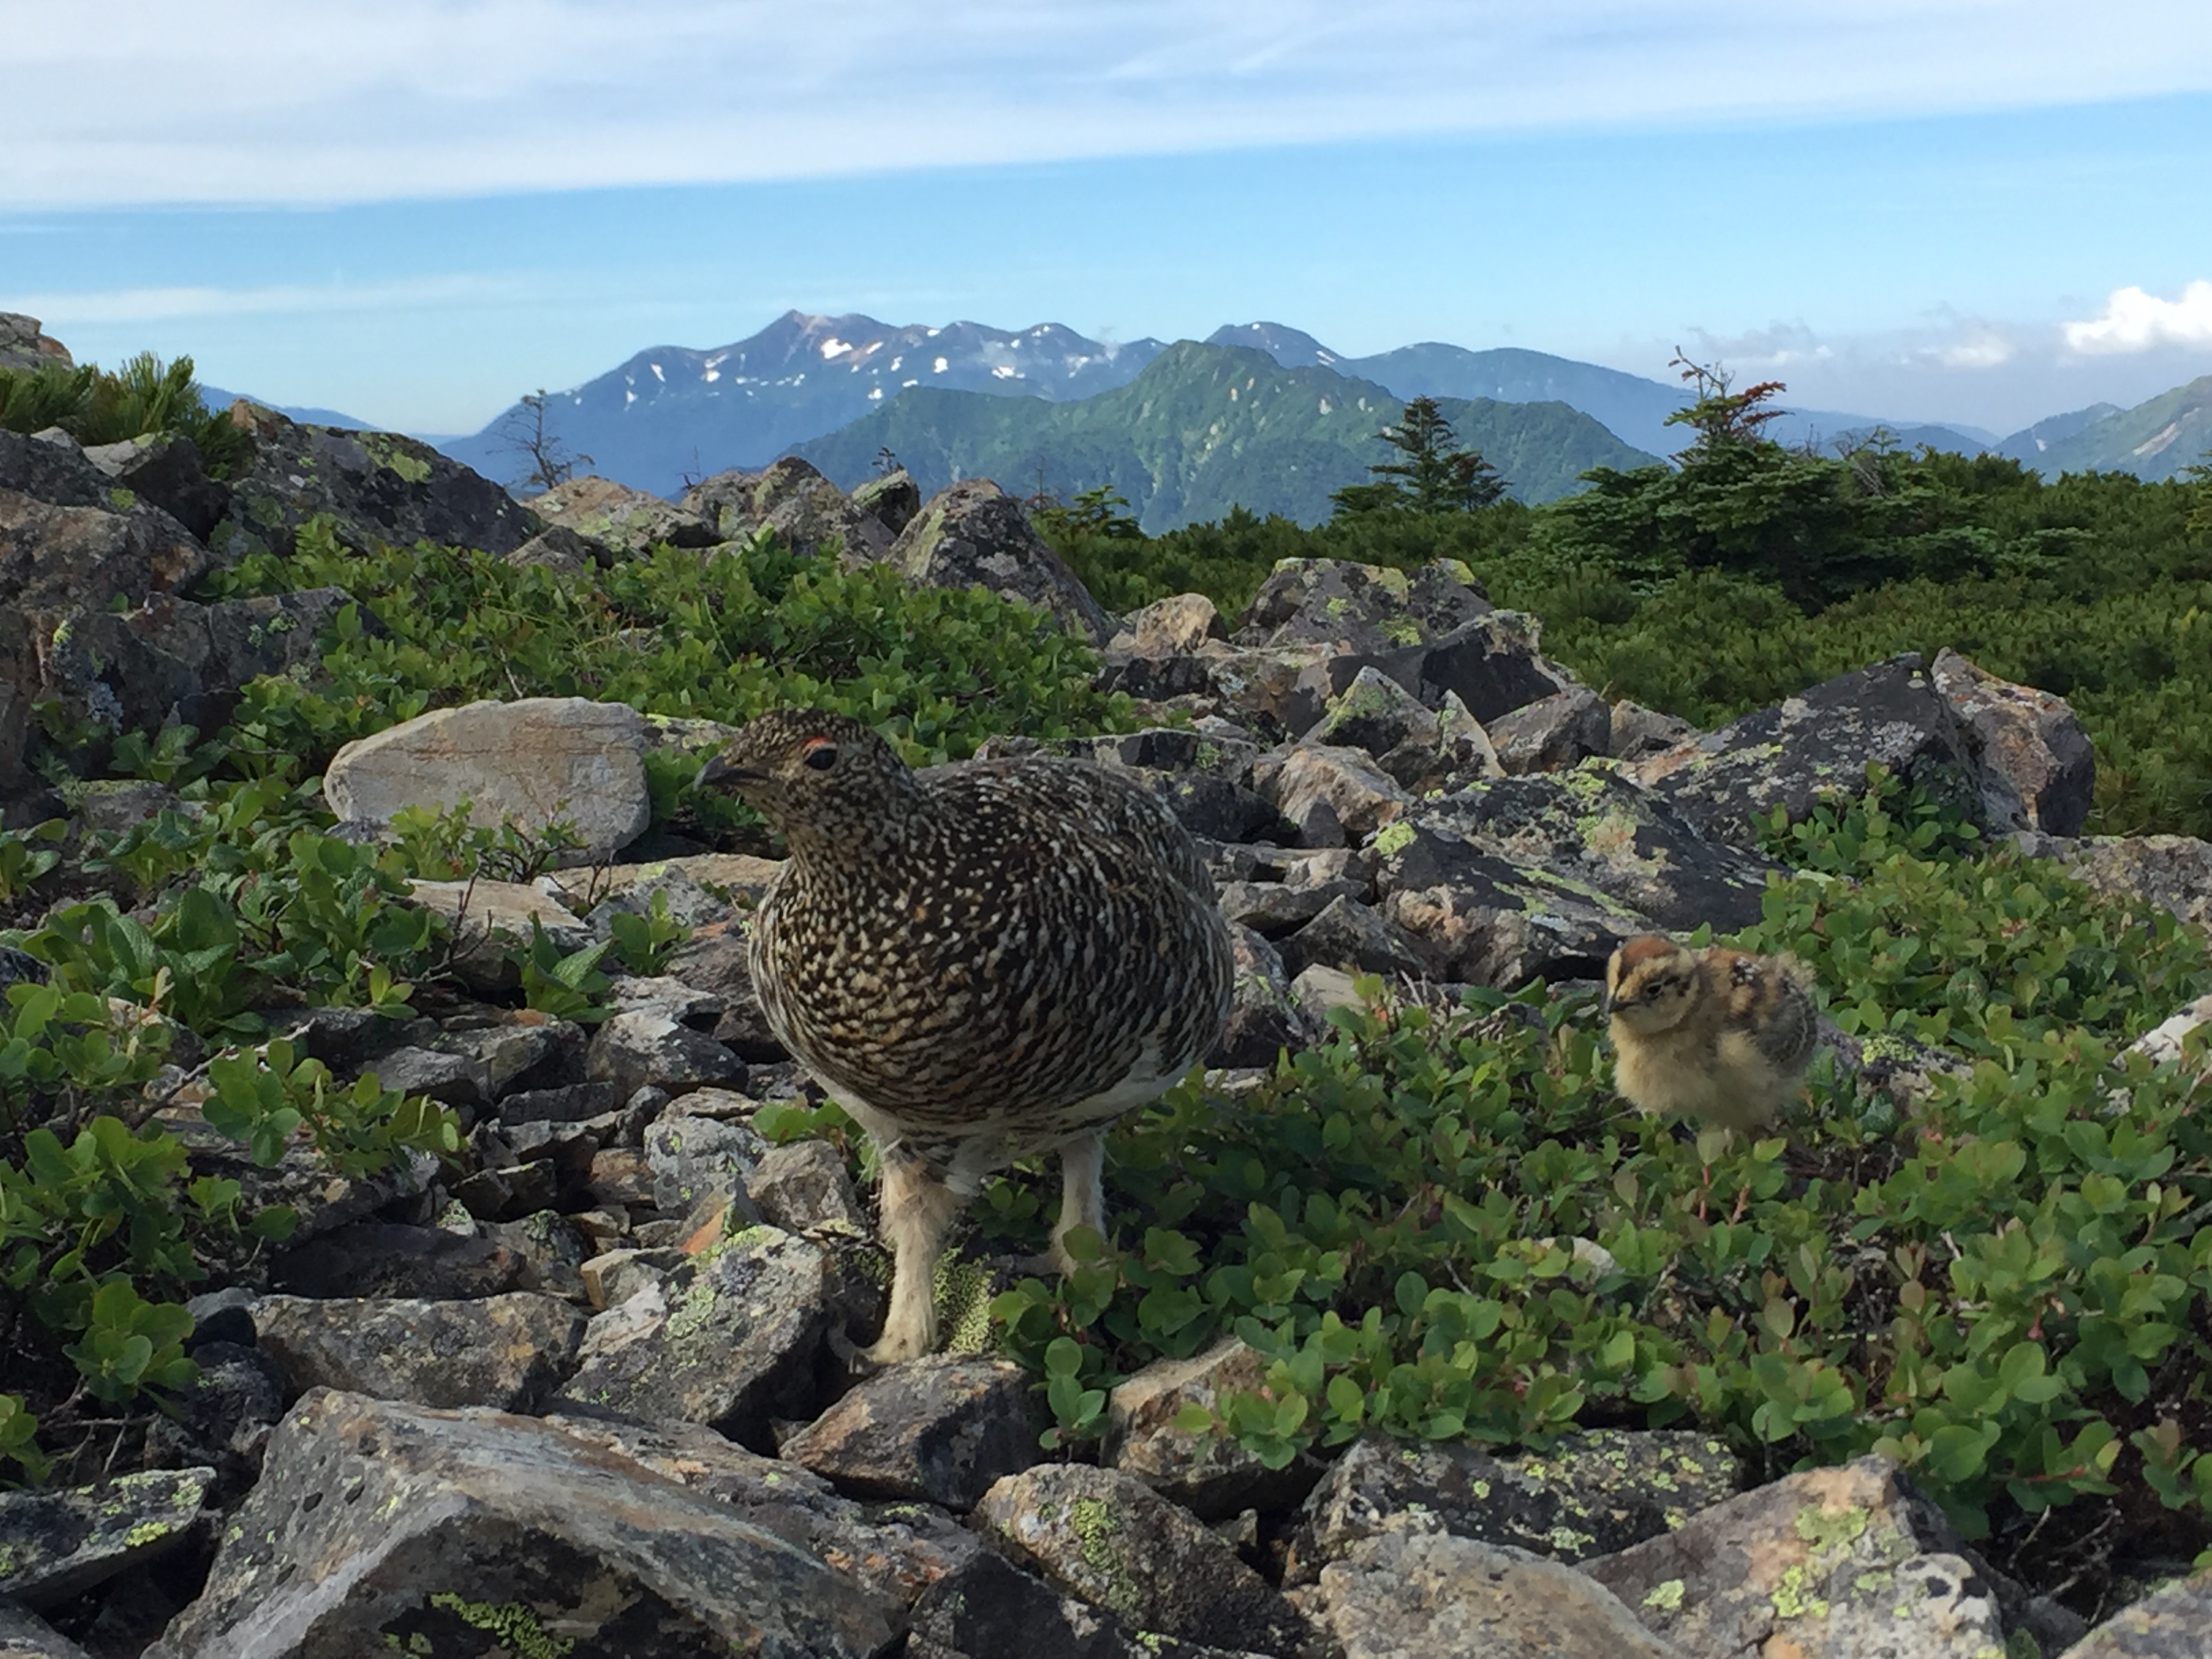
x,y
589,1393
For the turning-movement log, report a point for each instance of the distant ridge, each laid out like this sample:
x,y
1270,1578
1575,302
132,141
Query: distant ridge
x,y
2156,439
674,411
216,398
1203,429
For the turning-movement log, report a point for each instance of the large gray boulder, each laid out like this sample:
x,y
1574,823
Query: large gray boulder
x,y
25,344
975,535
1728,782
1361,608
627,521
2039,767
804,510
166,469
375,487
378,1527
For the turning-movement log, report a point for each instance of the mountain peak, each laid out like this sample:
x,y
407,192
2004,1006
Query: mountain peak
x,y
1292,347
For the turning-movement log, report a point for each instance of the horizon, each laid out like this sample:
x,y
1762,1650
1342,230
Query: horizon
x,y
1964,211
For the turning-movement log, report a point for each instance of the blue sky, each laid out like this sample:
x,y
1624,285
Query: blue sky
x,y
1985,211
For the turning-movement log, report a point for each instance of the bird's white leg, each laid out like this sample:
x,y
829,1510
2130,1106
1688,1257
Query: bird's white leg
x,y
918,1211
1083,1193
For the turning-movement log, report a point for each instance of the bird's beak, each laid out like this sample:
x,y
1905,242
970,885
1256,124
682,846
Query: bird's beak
x,y
1605,1007
722,773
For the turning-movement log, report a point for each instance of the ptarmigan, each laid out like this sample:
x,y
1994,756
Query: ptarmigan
x,y
981,962
1717,1033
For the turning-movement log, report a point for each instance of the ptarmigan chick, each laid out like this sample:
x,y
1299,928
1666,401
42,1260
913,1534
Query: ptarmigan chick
x,y
981,962
1717,1033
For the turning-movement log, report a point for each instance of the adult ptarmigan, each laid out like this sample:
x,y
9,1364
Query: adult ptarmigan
x,y
981,962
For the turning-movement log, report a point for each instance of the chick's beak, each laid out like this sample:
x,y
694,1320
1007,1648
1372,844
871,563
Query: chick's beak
x,y
1605,1005
722,774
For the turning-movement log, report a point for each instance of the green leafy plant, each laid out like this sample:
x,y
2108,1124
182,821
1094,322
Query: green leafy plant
x,y
568,986
645,940
267,1097
28,855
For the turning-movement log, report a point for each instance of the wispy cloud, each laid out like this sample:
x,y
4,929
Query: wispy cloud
x,y
357,100
156,304
2133,321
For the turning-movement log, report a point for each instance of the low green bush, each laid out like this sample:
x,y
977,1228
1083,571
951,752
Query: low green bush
x,y
96,406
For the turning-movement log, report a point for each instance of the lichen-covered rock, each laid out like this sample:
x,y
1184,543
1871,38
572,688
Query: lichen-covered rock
x,y
1839,1563
1817,744
733,1340
1210,1475
24,1635
1177,626
1480,919
1110,1538
2039,769
696,1157
56,1545
1638,731
890,498
556,547
627,521
164,468
1436,1596
975,534
538,760
1592,828
1553,732
1592,1493
391,1259
25,344
2173,873
489,918
714,961
506,1351
644,1047
991,1609
806,511
943,1428
1351,935
552,1249
1375,713
375,487
379,1527
2173,1624
803,1184
1263,1020
1360,607
1358,796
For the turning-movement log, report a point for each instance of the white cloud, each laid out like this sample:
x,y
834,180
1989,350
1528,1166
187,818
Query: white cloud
x,y
157,305
269,100
2136,322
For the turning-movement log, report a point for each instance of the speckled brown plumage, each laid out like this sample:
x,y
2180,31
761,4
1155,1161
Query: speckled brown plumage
x,y
1718,1034
979,961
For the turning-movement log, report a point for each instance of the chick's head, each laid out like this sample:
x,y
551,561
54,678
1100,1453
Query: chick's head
x,y
1651,984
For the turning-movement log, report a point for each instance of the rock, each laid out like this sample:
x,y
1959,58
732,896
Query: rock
x,y
892,498
2173,873
25,344
1350,935
805,510
622,1179
375,487
1360,607
511,1190
1590,829
164,468
570,1103
68,567
1553,732
1110,1538
552,1249
2169,1624
1375,713
56,1545
490,918
1274,909
943,1429
525,1048
556,547
804,1185
1263,1018
538,760
1174,627
991,1609
186,662
694,1158
682,898
504,1352
1837,1562
1319,989
645,1048
24,1635
388,1259
628,522
975,534
383,1527
714,961
223,1420
1480,919
1442,1597
735,1342
613,1277
1638,731
2039,769
448,1078
1358,796
1821,743
1492,665
1594,1493
1210,1475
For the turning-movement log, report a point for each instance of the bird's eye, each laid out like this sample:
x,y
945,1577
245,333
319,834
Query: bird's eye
x,y
821,754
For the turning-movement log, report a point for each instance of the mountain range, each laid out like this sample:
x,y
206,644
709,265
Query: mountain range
x,y
1203,429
